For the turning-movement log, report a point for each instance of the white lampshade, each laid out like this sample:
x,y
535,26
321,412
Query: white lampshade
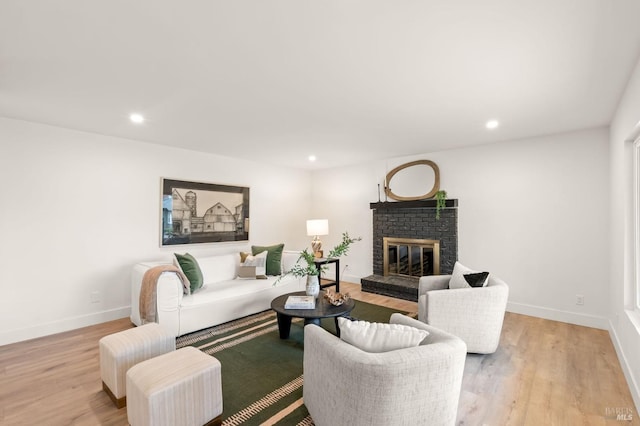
x,y
317,227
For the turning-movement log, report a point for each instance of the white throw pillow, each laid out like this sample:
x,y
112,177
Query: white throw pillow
x,y
259,261
378,337
459,281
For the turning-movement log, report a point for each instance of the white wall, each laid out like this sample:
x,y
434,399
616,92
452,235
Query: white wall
x,y
534,212
78,210
625,324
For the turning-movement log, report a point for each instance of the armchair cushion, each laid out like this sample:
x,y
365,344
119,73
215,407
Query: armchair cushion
x,y
344,385
377,337
459,280
477,280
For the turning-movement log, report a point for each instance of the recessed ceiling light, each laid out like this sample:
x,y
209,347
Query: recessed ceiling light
x,y
136,118
312,158
492,124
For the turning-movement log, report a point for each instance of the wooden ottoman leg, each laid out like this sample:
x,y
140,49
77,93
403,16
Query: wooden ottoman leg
x,y
215,422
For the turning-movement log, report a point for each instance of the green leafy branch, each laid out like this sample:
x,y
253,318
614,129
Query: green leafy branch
x,y
441,202
308,267
342,248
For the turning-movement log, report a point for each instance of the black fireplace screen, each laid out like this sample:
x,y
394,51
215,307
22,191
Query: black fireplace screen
x,y
411,257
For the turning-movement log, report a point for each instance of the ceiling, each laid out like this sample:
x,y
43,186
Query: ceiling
x,y
347,80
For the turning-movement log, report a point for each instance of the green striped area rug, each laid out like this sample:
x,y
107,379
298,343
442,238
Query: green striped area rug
x,y
262,374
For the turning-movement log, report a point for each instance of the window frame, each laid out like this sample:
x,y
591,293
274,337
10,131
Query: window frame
x,y
636,223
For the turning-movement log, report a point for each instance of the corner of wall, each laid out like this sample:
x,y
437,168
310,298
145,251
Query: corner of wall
x,y
634,386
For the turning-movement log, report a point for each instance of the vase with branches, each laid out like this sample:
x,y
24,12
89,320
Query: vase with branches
x,y
306,266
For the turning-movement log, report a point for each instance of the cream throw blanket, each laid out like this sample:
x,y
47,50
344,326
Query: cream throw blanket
x,y
148,308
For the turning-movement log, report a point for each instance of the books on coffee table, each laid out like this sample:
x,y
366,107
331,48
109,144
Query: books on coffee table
x,y
300,302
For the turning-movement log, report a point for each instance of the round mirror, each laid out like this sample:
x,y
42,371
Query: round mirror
x,y
416,177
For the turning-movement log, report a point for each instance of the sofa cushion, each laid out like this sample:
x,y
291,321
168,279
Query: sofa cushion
x,y
234,289
378,337
274,257
221,267
190,268
458,279
289,259
259,261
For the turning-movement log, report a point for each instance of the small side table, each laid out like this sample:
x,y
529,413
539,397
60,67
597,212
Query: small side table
x,y
325,261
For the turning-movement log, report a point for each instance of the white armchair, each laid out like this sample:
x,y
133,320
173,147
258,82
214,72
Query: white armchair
x,y
344,385
473,314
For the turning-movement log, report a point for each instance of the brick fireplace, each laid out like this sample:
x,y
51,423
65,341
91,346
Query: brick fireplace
x,y
411,221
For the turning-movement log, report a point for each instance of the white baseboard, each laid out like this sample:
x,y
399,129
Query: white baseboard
x,y
350,278
539,311
634,388
21,334
557,315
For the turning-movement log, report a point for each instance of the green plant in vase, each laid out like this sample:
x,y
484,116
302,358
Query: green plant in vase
x,y
308,267
441,202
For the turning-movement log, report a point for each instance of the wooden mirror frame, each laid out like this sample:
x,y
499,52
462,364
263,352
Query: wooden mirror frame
x,y
430,194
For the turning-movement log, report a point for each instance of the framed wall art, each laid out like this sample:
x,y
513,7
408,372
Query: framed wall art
x,y
196,212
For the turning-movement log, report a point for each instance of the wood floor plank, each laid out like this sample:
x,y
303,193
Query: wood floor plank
x,y
543,373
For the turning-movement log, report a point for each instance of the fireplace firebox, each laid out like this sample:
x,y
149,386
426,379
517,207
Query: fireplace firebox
x,y
410,257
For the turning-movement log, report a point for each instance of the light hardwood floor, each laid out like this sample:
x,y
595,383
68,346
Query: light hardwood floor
x,y
544,373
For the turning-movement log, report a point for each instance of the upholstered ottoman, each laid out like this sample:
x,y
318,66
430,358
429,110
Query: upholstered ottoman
x,y
120,351
180,388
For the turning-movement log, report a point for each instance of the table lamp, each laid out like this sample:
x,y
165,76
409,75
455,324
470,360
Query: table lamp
x,y
315,228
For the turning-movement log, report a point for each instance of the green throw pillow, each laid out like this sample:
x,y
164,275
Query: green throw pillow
x,y
274,257
190,269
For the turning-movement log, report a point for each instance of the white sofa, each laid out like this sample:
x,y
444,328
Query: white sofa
x,y
223,298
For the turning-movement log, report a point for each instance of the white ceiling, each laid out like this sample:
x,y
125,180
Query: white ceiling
x,y
347,80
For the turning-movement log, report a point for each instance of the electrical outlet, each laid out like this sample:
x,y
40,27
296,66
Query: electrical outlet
x,y
579,299
95,297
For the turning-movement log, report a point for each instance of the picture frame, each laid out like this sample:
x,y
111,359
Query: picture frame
x,y
199,212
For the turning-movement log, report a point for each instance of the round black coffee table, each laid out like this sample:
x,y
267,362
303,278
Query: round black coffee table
x,y
323,309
